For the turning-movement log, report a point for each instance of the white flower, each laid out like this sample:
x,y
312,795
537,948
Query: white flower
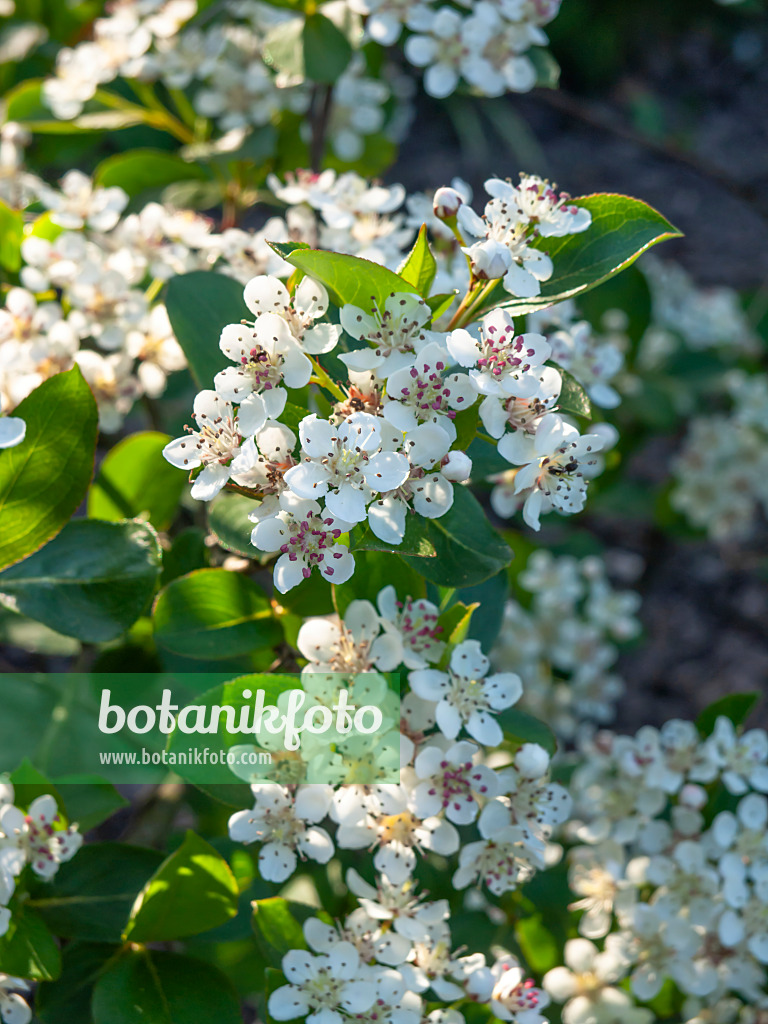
x,y
415,623
262,461
592,362
411,917
447,45
552,212
507,855
586,985
553,465
515,998
213,446
267,355
503,362
451,775
309,303
524,414
502,248
154,344
346,465
466,695
12,431
423,393
79,203
32,838
322,985
742,759
13,1009
395,333
113,385
305,537
286,826
353,644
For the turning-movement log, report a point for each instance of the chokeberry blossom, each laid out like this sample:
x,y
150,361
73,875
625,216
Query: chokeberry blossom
x,y
286,826
308,304
395,333
425,393
13,1007
466,696
501,362
37,838
323,985
352,644
346,465
553,465
214,445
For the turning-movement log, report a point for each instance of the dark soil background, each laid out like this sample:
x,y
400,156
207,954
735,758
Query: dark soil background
x,y
670,106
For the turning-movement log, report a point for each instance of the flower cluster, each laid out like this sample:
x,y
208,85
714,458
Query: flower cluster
x,y
668,867
720,473
232,70
562,641
396,945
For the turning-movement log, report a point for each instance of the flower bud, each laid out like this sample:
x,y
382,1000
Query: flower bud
x,y
456,466
532,761
446,203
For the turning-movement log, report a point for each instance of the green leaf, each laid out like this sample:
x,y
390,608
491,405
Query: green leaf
x,y
492,596
11,233
149,987
440,304
213,613
69,998
28,949
92,894
135,481
199,305
89,799
277,923
142,169
350,279
736,706
229,694
520,727
191,892
310,47
573,398
419,267
466,427
229,523
91,582
327,51
468,549
44,479
415,541
187,553
455,623
28,784
621,230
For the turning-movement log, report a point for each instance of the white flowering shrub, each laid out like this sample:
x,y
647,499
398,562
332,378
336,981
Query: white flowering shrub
x,y
268,421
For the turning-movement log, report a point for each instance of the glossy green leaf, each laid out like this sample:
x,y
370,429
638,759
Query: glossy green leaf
x,y
573,399
229,694
735,706
520,727
89,799
199,305
212,613
29,783
492,596
140,169
349,279
135,481
192,891
11,232
467,547
44,479
278,926
416,541
419,267
440,304
28,949
92,894
69,998
311,47
145,986
622,229
92,581
229,523
327,51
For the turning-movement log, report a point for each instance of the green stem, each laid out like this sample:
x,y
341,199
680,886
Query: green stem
x,y
322,378
186,111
